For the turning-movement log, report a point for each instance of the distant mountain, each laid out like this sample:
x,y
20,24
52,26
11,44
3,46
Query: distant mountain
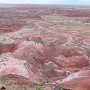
x,y
7,5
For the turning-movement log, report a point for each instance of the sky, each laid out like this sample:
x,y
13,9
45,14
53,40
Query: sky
x,y
70,2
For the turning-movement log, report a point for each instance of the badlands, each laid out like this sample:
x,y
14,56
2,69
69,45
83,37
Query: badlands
x,y
44,47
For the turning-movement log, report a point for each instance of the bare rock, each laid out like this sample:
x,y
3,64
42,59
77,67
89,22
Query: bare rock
x,y
77,81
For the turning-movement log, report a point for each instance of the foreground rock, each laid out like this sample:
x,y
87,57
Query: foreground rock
x,y
77,81
51,60
11,66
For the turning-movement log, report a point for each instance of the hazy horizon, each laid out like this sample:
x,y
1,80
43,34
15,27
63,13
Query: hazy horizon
x,y
52,2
